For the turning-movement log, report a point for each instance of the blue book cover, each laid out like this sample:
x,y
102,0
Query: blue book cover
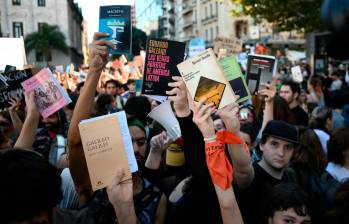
x,y
116,20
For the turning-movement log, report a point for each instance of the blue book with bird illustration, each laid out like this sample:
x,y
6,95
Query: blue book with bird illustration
x,y
116,20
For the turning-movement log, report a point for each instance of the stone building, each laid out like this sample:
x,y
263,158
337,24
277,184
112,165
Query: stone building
x,y
22,17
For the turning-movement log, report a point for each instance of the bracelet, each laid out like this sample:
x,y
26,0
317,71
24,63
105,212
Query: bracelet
x,y
210,139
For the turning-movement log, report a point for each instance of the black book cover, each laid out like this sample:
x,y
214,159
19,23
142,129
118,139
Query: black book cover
x,y
260,70
14,88
162,57
116,20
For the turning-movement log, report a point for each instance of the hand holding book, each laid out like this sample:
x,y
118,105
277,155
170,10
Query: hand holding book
x,y
98,52
179,96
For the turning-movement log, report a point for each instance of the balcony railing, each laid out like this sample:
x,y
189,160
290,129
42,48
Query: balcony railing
x,y
209,19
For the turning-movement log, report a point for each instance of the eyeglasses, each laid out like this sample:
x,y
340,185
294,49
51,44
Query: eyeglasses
x,y
139,141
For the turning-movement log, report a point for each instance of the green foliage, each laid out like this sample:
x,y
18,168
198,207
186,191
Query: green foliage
x,y
285,14
46,39
139,40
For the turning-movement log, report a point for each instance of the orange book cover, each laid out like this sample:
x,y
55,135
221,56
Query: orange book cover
x,y
107,146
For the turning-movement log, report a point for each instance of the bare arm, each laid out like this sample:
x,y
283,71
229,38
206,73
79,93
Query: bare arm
x,y
243,170
158,145
83,110
229,207
16,121
269,94
27,135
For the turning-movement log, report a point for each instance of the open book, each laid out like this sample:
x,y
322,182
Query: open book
x,y
204,78
107,146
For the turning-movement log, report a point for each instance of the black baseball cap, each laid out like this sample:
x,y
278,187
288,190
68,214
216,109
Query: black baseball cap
x,y
281,130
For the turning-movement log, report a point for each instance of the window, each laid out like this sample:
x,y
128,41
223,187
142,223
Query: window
x,y
41,3
40,25
17,29
211,29
16,2
211,10
206,32
205,12
217,31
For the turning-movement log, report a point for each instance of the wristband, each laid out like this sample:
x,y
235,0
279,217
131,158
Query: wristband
x,y
210,139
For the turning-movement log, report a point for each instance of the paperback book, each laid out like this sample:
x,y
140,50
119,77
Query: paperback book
x,y
49,94
162,57
260,70
235,78
204,78
107,146
116,20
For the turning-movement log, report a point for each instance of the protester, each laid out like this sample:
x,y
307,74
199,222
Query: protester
x,y
338,154
291,91
288,204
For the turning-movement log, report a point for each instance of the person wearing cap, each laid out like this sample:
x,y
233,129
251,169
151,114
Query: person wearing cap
x,y
276,148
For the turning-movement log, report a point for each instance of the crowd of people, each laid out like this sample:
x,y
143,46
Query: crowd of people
x,y
281,157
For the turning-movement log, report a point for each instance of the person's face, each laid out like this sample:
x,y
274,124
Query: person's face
x,y
132,87
289,216
111,89
218,124
51,121
277,153
287,94
247,140
245,116
139,143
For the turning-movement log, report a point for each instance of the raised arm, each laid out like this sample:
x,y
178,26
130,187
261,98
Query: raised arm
x,y
243,170
218,165
120,195
27,135
98,52
269,94
158,144
16,121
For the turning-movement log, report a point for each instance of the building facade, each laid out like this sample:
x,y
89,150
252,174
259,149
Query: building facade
x,y
209,19
22,17
167,28
148,14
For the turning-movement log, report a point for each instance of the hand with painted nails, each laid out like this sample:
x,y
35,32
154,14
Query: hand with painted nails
x,y
202,117
98,52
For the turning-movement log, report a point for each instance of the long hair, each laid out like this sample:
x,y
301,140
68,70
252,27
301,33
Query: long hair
x,y
310,154
319,117
281,111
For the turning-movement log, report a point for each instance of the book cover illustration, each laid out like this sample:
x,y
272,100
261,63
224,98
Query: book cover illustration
x,y
233,74
49,94
116,20
13,88
107,146
162,57
210,89
204,77
260,70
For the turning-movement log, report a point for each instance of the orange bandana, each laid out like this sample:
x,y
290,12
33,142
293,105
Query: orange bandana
x,y
220,169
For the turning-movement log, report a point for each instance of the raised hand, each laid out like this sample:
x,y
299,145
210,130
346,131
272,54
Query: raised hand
x,y
230,118
178,95
160,142
202,117
269,92
14,104
120,192
32,109
98,52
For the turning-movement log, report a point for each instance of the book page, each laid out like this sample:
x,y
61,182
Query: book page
x,y
125,133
